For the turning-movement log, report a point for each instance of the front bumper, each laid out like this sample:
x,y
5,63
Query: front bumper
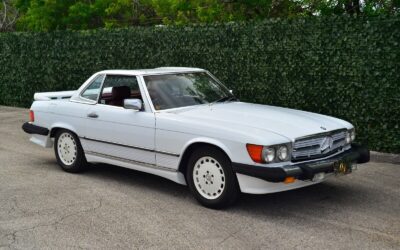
x,y
304,171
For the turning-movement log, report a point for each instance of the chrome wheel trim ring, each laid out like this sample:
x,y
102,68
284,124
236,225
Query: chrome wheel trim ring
x,y
67,149
209,177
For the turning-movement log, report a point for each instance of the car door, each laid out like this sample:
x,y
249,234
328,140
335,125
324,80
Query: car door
x,y
118,133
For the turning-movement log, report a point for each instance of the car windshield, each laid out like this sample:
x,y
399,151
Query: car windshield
x,y
185,89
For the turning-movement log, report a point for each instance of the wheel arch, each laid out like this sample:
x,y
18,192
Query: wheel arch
x,y
57,126
191,146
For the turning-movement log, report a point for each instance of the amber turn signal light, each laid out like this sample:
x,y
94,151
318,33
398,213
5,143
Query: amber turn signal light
x,y
255,152
289,179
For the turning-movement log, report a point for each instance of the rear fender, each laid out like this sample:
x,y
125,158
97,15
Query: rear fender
x,y
61,125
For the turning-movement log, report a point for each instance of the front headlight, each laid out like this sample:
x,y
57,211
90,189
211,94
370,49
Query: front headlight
x,y
348,137
268,154
352,134
283,153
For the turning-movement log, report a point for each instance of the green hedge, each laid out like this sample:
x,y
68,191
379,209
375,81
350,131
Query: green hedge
x,y
341,66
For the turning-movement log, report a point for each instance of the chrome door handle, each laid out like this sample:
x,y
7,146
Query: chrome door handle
x,y
93,115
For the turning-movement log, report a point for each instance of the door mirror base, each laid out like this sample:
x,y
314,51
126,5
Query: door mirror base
x,y
134,104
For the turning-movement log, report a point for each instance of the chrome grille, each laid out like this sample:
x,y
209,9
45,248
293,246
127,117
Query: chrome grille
x,y
319,145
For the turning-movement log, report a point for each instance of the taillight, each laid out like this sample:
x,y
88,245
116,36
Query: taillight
x,y
31,116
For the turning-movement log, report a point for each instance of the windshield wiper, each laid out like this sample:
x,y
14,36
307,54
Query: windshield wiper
x,y
225,99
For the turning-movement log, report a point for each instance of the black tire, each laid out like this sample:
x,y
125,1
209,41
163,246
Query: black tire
x,y
230,192
78,163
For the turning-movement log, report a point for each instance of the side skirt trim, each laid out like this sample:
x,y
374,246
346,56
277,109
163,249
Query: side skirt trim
x,y
144,164
129,146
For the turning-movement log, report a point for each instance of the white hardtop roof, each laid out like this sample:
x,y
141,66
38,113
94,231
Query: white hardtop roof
x,y
155,71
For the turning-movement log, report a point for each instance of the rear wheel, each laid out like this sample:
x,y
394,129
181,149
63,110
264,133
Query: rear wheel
x,y
211,179
69,152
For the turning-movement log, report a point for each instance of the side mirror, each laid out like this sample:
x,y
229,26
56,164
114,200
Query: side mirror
x,y
135,104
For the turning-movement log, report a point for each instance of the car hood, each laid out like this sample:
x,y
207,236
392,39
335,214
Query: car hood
x,y
286,122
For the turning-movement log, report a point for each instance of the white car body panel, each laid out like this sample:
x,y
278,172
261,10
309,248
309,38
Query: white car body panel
x,y
253,185
121,126
155,141
47,96
41,140
175,176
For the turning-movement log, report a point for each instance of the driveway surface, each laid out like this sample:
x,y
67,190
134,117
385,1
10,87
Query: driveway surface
x,y
107,207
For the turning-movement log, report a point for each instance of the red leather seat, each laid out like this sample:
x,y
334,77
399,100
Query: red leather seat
x,y
119,94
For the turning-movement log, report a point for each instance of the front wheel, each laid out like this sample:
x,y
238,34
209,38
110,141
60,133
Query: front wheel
x,y
211,179
69,152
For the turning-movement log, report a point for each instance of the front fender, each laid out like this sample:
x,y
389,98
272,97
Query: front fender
x,y
206,140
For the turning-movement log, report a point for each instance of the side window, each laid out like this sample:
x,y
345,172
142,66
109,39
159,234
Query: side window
x,y
117,88
93,90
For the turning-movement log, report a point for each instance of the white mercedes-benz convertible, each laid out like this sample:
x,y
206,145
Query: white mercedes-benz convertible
x,y
185,125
